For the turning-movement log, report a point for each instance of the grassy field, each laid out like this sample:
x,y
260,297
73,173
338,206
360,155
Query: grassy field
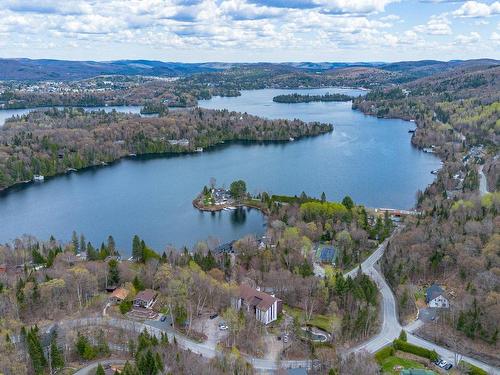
x,y
389,363
323,322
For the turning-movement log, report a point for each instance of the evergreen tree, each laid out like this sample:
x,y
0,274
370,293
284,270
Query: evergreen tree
x,y
137,249
74,241
137,283
111,245
56,357
323,197
91,252
100,370
82,247
348,202
35,351
146,364
113,272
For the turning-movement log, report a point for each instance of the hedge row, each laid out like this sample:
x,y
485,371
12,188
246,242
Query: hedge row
x,y
414,349
384,353
471,369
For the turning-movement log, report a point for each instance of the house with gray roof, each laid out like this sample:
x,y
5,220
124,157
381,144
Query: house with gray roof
x,y
435,297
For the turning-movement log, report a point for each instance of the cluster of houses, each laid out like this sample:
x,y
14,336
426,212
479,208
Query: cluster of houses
x,y
221,196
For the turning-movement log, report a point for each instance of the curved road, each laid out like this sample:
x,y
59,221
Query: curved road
x,y
390,330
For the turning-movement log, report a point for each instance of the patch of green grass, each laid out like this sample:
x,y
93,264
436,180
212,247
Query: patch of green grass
x,y
389,363
420,294
323,322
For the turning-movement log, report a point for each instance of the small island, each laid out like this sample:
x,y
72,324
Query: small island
x,y
154,108
214,199
299,98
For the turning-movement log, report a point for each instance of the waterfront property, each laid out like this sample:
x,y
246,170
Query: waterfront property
x,y
159,190
266,307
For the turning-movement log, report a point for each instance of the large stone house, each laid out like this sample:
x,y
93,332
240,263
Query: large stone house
x,y
265,306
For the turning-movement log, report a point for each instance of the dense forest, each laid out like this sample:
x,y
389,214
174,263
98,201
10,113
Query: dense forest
x,y
50,142
455,242
55,283
298,98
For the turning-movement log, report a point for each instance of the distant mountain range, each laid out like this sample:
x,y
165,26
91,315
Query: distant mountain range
x,y
46,69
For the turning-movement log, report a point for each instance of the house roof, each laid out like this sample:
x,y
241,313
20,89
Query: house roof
x,y
433,291
120,293
146,295
224,248
256,298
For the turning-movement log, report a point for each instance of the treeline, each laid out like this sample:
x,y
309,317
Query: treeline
x,y
298,98
51,142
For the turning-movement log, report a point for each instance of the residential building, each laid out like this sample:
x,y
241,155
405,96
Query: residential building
x,y
266,307
145,299
118,295
434,296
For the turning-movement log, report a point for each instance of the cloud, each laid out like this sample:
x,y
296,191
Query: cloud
x,y
437,25
471,38
477,9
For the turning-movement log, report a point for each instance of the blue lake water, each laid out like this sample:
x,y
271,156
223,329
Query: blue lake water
x,y
367,158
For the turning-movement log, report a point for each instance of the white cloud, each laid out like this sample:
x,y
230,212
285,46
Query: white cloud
x,y
477,9
437,25
471,38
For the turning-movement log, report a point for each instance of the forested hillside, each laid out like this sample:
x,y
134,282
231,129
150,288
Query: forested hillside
x,y
456,240
52,141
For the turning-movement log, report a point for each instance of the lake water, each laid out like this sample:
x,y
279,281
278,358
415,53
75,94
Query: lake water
x,y
367,158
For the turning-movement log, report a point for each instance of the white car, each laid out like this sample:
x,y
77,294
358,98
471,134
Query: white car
x,y
223,327
442,364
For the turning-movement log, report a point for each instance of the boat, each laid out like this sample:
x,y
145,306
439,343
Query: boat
x,y
199,149
411,131
132,154
231,208
291,139
38,178
71,170
435,171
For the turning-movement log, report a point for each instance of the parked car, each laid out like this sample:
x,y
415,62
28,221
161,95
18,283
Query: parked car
x,y
213,316
437,361
443,364
223,326
163,318
448,366
285,338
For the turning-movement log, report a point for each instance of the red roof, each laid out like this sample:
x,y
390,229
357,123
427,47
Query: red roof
x,y
254,297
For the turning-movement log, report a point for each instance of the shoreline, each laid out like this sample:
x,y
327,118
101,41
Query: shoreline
x,y
203,208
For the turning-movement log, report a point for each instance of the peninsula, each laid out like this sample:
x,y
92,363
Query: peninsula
x,y
299,98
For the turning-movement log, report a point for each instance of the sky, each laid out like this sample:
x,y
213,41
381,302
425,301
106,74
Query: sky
x,y
250,30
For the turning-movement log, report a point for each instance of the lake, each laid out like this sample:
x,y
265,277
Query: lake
x,y
368,158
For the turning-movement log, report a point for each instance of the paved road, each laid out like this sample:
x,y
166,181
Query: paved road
x,y
389,331
90,369
483,183
391,327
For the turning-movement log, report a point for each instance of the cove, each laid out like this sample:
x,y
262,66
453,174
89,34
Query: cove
x,y
368,158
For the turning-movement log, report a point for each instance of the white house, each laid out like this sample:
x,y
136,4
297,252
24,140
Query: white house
x,y
435,297
265,306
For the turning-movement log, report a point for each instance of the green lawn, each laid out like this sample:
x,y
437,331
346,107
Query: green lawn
x,y
323,322
389,363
